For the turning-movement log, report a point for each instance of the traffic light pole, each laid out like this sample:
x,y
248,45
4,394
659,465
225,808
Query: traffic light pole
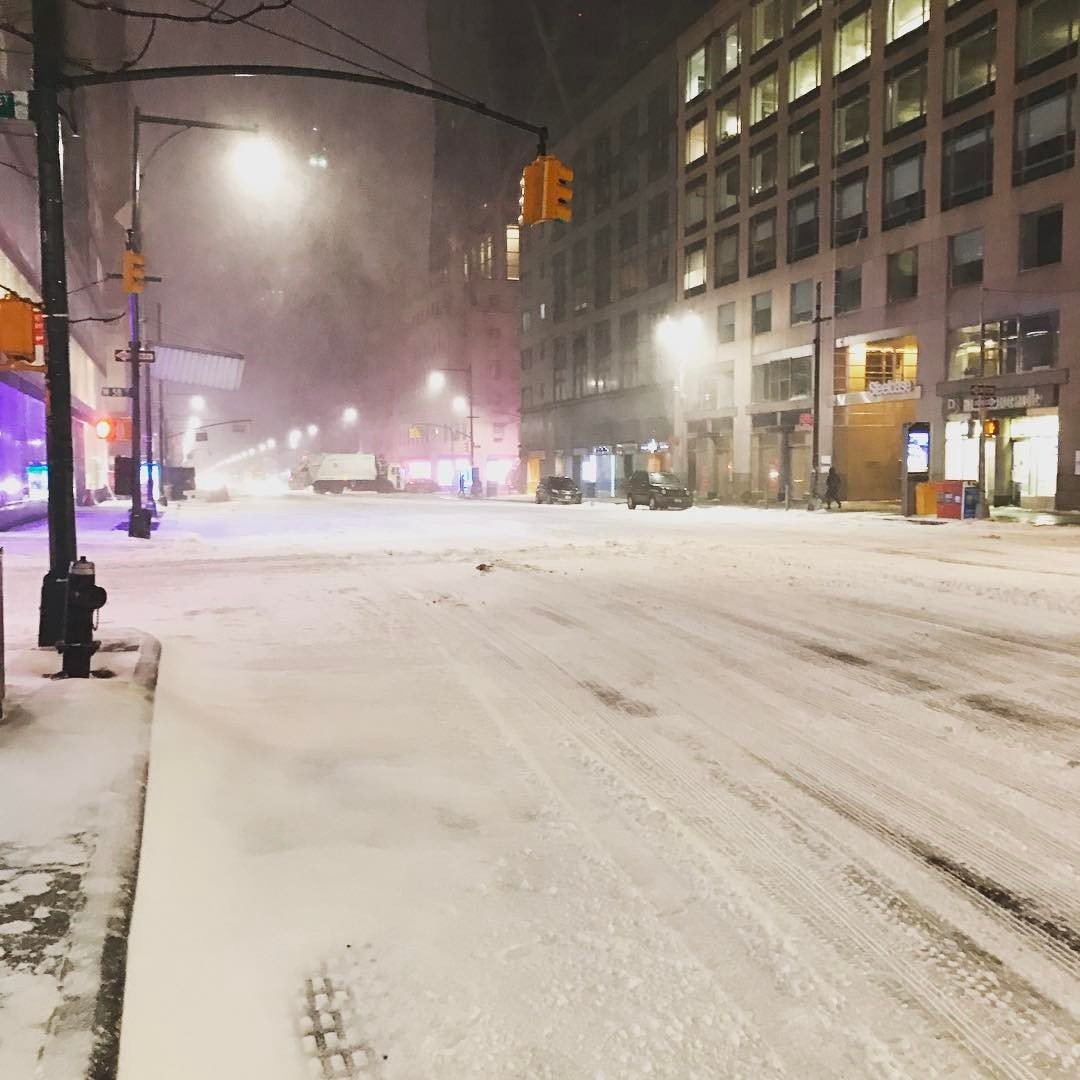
x,y
139,518
48,37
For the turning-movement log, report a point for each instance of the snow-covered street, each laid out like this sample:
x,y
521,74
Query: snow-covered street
x,y
498,790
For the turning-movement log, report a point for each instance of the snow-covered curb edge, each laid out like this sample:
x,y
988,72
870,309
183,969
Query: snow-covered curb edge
x,y
86,1026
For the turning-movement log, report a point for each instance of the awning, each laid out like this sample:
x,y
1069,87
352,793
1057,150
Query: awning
x,y
197,367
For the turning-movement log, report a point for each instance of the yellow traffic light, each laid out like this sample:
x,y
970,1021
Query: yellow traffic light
x,y
558,193
532,193
134,272
17,327
104,429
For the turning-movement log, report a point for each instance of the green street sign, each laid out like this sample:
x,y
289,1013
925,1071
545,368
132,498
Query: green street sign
x,y
14,105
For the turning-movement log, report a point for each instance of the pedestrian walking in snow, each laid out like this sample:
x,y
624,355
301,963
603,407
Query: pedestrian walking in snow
x,y
832,488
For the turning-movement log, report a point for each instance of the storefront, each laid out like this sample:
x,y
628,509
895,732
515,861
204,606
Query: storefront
x,y
710,458
602,470
1021,445
875,396
780,453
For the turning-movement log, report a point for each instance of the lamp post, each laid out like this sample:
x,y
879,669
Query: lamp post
x,y
436,381
139,519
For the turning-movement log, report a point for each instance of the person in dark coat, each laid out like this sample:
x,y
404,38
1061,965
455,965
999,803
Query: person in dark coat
x,y
832,488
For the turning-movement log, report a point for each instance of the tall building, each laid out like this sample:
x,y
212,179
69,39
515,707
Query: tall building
x,y
913,162
595,402
96,141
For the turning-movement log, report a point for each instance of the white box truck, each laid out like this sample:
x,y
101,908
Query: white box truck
x,y
335,473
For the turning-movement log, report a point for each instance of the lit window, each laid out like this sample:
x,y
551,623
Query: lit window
x,y
728,120
766,23
513,253
803,9
694,216
764,97
903,275
695,74
1045,136
966,258
804,71
905,96
695,141
1046,28
969,63
904,16
852,41
694,268
726,51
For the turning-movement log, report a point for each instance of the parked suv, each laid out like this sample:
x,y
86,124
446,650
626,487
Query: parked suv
x,y
557,489
657,491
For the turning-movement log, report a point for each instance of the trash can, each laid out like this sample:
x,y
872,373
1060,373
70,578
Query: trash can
x,y
925,500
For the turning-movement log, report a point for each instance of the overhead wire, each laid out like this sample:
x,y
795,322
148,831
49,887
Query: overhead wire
x,y
381,53
215,12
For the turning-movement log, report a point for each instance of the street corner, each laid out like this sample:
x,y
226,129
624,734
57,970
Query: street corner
x,y
73,766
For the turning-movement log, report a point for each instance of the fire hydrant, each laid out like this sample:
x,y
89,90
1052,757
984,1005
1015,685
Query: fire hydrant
x,y
84,598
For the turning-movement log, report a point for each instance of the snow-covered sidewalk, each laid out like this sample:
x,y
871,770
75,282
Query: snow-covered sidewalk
x,y
73,758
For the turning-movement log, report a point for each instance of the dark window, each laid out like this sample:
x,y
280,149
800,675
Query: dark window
x,y
602,357
783,380
848,295
762,242
658,243
803,9
558,286
695,204
761,312
804,146
727,256
629,348
852,115
659,132
581,365
558,370
849,208
967,162
728,178
603,161
804,229
966,258
903,275
766,24
629,254
526,359
904,195
905,95
1047,32
579,275
970,63
628,153
1006,346
802,301
763,170
725,323
1045,132
1040,238
602,273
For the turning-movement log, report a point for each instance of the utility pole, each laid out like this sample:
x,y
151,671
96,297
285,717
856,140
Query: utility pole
x,y
983,508
139,519
472,430
48,39
815,431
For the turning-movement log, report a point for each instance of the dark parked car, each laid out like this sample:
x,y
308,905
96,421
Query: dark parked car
x,y
557,489
421,487
657,491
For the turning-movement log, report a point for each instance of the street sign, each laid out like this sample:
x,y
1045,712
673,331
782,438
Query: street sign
x,y
116,391
202,436
14,105
123,356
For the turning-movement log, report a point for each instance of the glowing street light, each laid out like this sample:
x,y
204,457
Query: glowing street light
x,y
271,444
197,404
294,438
350,415
436,381
257,163
460,405
313,430
262,448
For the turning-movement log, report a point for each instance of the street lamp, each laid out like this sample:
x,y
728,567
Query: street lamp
x,y
436,382
350,415
139,520
198,404
681,338
294,438
459,405
313,430
258,164
271,444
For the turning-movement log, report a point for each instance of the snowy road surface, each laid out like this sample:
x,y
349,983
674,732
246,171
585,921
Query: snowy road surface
x,y
717,794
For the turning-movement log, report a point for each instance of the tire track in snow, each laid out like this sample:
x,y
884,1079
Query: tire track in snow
x,y
799,891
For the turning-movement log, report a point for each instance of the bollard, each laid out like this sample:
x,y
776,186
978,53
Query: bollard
x,y
84,598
